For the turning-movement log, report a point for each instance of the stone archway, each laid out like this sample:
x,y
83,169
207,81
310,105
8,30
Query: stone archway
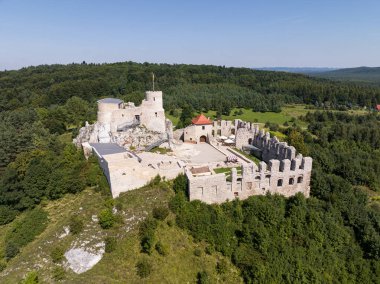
x,y
203,139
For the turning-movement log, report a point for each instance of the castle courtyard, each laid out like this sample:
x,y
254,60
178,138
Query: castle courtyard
x,y
201,153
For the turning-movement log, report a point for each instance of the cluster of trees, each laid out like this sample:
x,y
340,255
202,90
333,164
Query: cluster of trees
x,y
347,146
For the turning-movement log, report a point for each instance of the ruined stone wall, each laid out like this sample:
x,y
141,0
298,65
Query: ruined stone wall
x,y
150,113
281,171
282,177
224,127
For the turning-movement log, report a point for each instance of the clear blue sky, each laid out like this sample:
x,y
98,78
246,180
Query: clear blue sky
x,y
332,33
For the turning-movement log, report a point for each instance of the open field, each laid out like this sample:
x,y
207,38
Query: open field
x,y
289,114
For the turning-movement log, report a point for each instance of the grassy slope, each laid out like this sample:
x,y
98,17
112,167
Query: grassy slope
x,y
179,266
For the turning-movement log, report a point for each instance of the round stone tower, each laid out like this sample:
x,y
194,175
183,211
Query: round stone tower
x,y
105,109
155,99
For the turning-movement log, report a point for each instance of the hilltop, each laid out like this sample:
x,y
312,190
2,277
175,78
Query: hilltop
x,y
368,75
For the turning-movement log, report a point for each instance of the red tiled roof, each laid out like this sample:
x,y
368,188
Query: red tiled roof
x,y
378,107
200,120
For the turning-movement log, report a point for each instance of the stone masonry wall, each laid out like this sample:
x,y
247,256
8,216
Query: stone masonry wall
x,y
281,171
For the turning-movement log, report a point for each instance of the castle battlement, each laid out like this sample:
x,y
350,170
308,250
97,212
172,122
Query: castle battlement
x,y
281,170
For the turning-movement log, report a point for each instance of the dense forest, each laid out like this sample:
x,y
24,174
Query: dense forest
x,y
334,236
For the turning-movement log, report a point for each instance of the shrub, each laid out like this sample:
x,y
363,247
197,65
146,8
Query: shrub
x,y
6,215
160,213
106,219
203,278
210,250
58,273
177,202
147,233
24,231
147,243
161,249
3,265
180,184
147,227
57,254
170,223
110,244
144,268
156,180
221,266
76,225
197,252
31,278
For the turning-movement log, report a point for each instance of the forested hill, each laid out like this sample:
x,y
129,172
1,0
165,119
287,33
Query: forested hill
x,y
369,75
46,185
202,86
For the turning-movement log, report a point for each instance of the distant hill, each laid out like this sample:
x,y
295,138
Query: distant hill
x,y
300,70
367,75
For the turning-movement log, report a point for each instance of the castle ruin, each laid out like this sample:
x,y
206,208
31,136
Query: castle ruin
x,y
119,125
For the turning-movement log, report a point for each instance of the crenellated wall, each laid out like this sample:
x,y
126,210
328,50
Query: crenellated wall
x,y
281,171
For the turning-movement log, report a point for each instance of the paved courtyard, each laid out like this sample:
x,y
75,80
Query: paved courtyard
x,y
199,153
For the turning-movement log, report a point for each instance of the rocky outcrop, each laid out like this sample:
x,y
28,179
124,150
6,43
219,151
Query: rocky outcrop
x,y
92,133
137,137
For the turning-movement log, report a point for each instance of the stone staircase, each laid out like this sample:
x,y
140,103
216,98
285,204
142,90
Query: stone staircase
x,y
129,124
155,144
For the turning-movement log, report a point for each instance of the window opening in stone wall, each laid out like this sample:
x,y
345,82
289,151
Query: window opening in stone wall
x,y
300,180
155,114
291,181
219,132
279,182
201,190
203,127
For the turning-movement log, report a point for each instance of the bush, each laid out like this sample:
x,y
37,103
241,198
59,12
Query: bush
x,y
147,233
106,219
170,223
25,230
203,278
160,213
161,249
11,250
210,250
110,244
76,225
58,273
180,184
156,180
197,252
221,266
7,215
31,278
3,265
144,268
57,254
